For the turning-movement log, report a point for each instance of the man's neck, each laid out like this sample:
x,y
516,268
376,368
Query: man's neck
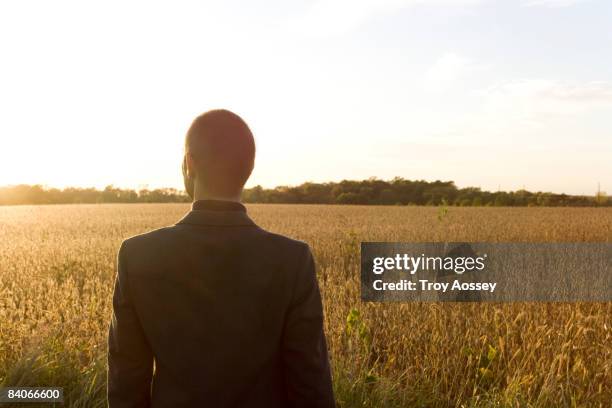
x,y
200,194
216,198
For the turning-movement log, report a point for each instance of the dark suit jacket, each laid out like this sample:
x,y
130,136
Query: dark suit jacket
x,y
216,312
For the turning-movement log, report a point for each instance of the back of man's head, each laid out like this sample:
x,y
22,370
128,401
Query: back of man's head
x,y
222,152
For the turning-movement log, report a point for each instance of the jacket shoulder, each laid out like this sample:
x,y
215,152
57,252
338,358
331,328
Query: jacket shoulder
x,y
146,239
292,247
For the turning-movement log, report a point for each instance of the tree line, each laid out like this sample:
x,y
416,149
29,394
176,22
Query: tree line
x,y
398,191
36,194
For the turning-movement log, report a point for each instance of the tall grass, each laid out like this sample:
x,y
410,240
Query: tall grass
x,y
57,269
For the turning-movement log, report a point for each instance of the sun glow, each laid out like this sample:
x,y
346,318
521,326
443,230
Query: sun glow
x,y
331,91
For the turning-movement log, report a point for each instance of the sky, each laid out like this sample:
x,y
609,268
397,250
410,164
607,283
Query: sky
x,y
492,94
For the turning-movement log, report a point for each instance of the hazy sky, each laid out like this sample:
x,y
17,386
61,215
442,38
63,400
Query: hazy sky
x,y
486,93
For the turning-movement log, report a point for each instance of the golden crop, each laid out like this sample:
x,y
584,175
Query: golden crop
x,y
57,266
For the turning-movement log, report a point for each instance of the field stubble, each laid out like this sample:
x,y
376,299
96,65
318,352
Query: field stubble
x,y
57,265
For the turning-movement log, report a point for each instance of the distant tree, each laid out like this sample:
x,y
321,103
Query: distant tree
x,y
348,198
601,198
388,196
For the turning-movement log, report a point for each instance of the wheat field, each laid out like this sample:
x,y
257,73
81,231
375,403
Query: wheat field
x,y
57,265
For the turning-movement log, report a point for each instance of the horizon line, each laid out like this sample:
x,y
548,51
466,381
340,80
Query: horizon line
x,y
145,186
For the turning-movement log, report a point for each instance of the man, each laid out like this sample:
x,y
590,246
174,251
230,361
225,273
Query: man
x,y
214,311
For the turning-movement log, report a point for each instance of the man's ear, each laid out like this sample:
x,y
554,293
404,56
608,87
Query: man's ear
x,y
189,165
189,174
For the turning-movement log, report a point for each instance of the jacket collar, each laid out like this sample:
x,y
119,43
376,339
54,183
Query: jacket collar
x,y
218,205
217,213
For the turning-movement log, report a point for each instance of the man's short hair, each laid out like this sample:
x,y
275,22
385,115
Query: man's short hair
x,y
223,149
